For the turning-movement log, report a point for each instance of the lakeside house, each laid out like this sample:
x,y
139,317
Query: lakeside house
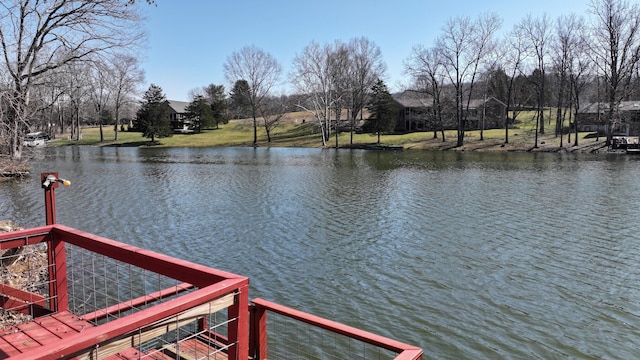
x,y
415,113
487,113
592,117
178,116
415,110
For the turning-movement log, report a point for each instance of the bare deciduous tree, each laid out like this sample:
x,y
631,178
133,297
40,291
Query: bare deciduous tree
x,y
515,52
99,91
580,72
428,71
127,76
539,34
569,31
340,68
78,76
260,70
463,46
37,37
312,75
483,47
335,77
454,48
272,111
616,49
366,67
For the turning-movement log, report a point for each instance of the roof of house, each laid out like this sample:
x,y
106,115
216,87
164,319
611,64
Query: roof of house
x,y
416,99
593,108
474,103
179,107
413,99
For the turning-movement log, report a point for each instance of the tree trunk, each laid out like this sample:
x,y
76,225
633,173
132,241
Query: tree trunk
x,y
353,126
535,144
575,126
338,113
15,141
255,130
459,114
115,129
541,113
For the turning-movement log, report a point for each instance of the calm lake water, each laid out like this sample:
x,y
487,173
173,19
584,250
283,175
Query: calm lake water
x,y
467,255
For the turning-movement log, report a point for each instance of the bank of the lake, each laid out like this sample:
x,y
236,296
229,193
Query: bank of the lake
x,y
11,169
303,135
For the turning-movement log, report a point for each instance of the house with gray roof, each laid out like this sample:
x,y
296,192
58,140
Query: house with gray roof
x,y
592,117
415,112
178,116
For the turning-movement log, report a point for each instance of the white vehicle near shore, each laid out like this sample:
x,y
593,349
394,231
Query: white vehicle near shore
x,y
36,139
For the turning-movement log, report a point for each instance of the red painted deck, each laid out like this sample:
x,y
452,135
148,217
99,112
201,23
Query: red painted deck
x,y
49,329
42,331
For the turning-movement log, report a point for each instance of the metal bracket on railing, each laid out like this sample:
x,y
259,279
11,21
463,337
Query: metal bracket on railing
x,y
52,179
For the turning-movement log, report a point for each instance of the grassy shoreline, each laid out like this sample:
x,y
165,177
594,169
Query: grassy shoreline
x,y
302,134
240,133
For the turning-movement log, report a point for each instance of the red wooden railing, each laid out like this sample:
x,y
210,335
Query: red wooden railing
x,y
210,286
259,331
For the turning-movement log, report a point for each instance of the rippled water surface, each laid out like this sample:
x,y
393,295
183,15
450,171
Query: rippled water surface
x,y
467,255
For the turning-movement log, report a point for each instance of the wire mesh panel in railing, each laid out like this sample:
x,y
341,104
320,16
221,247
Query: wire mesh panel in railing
x,y
190,341
108,289
24,279
177,338
292,339
102,289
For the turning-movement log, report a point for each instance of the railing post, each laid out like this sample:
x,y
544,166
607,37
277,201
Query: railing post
x,y
49,196
239,329
58,296
258,332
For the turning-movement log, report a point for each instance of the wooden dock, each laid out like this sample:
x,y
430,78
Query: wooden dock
x,y
47,330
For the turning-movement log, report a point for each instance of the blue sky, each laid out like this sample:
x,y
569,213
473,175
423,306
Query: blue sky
x,y
190,40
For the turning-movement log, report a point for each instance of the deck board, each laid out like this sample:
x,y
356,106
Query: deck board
x,y
71,321
21,341
41,331
61,325
49,329
6,349
39,334
193,349
133,354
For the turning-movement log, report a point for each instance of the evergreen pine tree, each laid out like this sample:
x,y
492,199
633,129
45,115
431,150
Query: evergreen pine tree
x,y
153,116
382,109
